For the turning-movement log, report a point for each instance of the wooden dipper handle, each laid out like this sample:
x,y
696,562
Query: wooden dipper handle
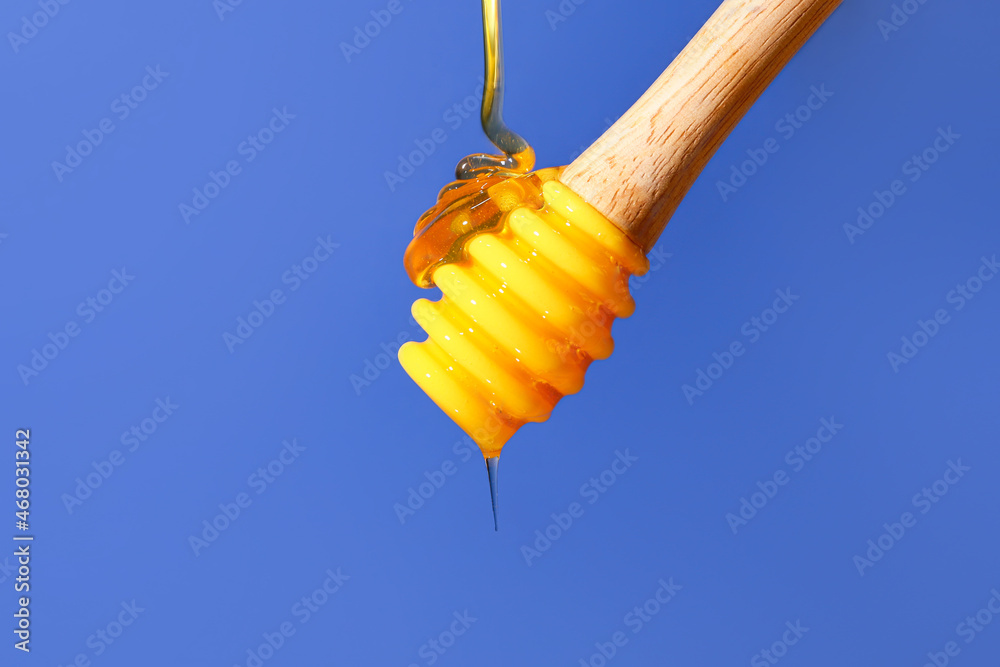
x,y
638,171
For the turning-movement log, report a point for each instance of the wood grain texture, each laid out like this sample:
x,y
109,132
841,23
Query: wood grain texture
x,y
638,171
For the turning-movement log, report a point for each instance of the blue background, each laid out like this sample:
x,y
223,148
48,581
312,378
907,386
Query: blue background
x,y
366,446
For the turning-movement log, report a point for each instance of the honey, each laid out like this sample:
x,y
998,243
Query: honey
x,y
532,278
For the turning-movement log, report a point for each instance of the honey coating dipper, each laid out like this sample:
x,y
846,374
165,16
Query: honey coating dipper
x,y
534,266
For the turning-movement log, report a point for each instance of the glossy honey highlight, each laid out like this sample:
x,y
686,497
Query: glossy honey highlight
x,y
527,304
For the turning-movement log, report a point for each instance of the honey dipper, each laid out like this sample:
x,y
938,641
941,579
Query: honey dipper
x,y
534,266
